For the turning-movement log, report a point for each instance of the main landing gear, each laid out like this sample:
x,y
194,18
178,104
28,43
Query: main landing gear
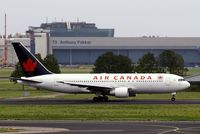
x,y
100,99
173,96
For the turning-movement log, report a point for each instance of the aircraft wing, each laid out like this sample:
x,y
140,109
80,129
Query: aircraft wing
x,y
89,87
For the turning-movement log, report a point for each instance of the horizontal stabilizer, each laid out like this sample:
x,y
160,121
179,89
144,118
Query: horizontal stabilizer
x,y
24,80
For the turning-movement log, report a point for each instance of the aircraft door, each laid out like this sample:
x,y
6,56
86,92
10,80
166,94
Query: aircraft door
x,y
56,84
167,81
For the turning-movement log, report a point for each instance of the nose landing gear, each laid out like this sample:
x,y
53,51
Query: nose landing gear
x,y
173,96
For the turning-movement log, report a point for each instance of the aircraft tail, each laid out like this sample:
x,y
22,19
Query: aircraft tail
x,y
31,66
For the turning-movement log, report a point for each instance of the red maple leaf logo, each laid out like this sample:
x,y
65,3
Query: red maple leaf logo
x,y
29,65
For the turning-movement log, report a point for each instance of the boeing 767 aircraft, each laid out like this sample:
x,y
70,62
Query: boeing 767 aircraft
x,y
104,84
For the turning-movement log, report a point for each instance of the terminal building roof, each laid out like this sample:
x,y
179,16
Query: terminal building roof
x,y
73,29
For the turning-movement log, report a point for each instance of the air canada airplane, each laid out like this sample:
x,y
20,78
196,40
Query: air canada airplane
x,y
103,84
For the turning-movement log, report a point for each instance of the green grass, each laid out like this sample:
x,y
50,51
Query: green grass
x,y
10,90
101,112
194,70
19,93
179,96
5,72
8,130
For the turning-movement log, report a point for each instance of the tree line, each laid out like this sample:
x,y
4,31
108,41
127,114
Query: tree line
x,y
167,61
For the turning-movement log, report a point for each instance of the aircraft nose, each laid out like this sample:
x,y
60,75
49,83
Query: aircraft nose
x,y
187,84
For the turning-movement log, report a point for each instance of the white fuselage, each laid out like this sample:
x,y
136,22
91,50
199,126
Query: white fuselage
x,y
136,83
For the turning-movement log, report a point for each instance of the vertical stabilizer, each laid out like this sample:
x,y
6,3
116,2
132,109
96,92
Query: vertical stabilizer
x,y
31,66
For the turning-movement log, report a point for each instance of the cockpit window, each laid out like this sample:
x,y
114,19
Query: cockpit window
x,y
181,79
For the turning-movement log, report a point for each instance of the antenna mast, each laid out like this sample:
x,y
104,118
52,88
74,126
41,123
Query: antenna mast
x,y
5,45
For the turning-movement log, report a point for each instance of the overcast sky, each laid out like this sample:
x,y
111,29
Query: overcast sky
x,y
172,18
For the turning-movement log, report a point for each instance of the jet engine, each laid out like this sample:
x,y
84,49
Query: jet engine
x,y
121,92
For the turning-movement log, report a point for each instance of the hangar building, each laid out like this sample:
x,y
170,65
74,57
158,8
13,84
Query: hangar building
x,y
81,43
79,50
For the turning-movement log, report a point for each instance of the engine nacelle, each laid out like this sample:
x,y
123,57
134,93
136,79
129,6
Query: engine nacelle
x,y
121,92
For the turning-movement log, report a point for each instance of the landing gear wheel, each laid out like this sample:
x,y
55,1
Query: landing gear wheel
x,y
95,99
173,99
100,99
105,98
173,96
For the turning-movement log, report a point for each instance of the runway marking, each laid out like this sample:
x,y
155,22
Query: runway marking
x,y
163,128
157,127
168,131
35,130
185,132
173,129
180,130
96,130
189,129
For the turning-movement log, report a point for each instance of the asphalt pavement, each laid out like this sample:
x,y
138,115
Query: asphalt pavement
x,y
99,127
87,101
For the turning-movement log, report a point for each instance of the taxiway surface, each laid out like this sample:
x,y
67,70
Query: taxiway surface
x,y
85,101
97,127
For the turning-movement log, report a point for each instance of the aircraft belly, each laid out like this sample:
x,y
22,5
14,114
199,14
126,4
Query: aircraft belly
x,y
152,88
60,88
70,89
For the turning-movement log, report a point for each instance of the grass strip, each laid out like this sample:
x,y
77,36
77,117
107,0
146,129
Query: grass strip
x,y
10,90
106,112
